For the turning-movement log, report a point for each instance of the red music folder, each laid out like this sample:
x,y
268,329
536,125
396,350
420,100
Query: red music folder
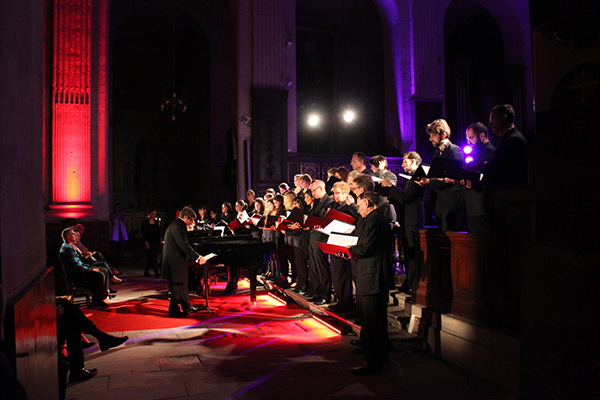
x,y
312,221
334,249
340,216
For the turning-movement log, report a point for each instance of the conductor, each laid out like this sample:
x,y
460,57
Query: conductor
x,y
176,252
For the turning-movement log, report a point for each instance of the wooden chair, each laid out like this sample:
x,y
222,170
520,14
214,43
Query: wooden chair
x,y
69,288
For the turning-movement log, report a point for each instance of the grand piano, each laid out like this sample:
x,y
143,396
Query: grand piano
x,y
241,252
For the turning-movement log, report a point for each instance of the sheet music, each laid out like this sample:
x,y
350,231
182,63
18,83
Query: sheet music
x,y
342,240
337,226
405,176
244,217
426,168
220,228
209,256
376,179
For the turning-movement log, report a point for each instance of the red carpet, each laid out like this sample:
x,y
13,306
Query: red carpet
x,y
151,312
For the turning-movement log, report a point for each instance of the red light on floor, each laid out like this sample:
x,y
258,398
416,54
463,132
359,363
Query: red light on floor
x,y
322,322
277,299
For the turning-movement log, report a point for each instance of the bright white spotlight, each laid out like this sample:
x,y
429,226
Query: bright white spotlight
x,y
469,160
349,116
313,120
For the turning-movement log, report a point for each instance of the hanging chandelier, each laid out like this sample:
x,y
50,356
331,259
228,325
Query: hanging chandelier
x,y
173,96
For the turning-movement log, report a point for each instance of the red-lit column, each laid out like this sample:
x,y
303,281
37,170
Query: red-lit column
x,y
71,110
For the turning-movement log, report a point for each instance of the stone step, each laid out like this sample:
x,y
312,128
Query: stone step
x,y
398,317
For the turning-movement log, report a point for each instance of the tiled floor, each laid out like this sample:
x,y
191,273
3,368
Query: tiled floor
x,y
265,356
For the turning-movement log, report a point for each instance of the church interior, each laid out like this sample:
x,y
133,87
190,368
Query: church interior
x,y
160,103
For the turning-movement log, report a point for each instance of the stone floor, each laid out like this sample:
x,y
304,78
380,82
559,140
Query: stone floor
x,y
264,357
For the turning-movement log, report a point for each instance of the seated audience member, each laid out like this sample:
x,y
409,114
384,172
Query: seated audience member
x,y
91,257
94,278
70,324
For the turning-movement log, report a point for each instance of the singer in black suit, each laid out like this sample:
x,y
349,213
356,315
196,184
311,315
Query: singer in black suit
x,y
341,270
176,253
320,272
410,199
448,194
374,279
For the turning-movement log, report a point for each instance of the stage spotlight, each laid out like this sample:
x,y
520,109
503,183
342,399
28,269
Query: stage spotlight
x,y
469,152
349,116
313,120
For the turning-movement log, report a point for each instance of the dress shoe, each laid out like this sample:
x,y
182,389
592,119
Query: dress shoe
x,y
193,309
111,296
357,342
177,314
300,289
82,375
116,280
320,302
112,341
112,291
367,369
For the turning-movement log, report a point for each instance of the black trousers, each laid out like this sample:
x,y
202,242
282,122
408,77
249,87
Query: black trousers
x,y
301,257
96,282
319,264
152,261
374,331
179,296
69,328
341,276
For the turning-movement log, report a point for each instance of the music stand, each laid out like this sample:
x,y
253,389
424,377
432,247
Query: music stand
x,y
206,289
